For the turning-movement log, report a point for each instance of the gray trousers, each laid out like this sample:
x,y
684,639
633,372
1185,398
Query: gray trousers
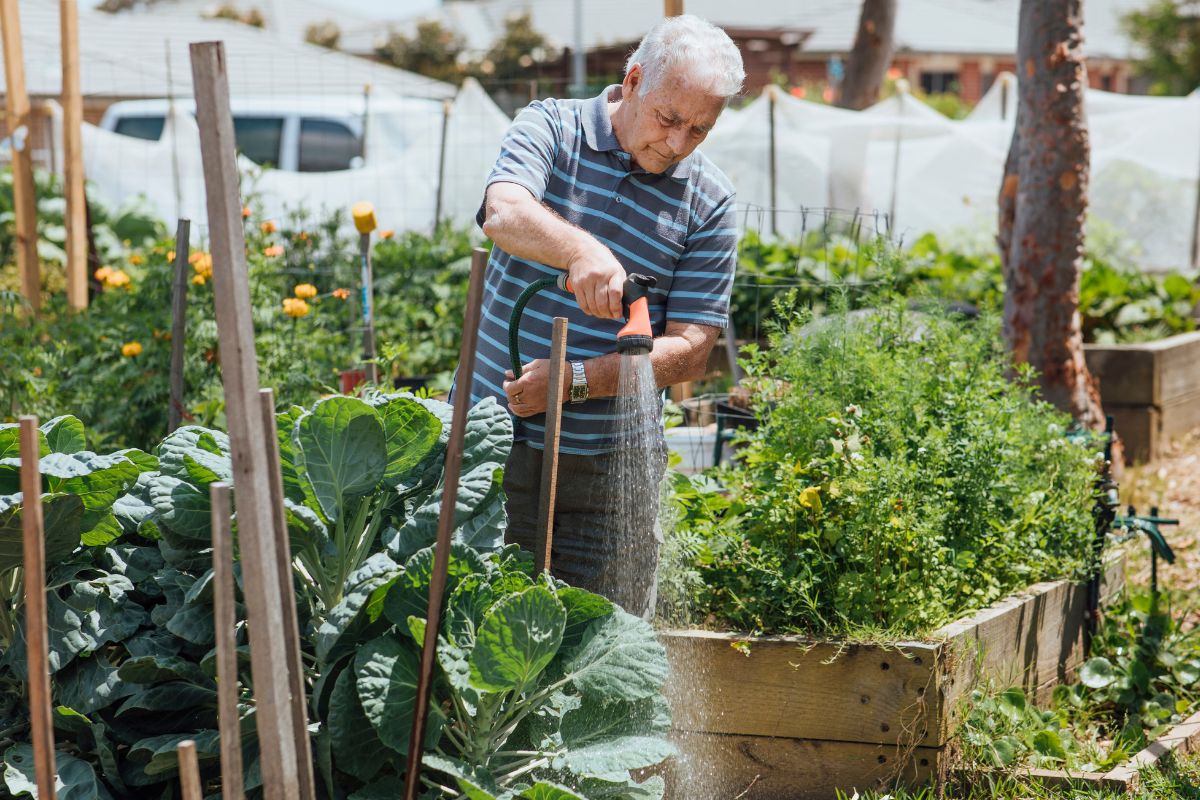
x,y
602,541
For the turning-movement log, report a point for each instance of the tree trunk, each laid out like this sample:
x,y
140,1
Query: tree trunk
x,y
1043,202
870,56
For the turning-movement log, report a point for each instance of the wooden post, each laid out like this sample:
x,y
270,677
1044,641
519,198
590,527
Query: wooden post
x,y
18,124
672,8
189,771
554,404
72,104
437,208
36,627
178,322
441,558
251,476
225,621
287,600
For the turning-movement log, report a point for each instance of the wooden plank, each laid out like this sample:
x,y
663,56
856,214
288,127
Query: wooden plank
x,y
1179,417
1149,373
18,121
1140,429
287,600
789,686
719,767
239,370
36,627
72,136
1179,367
554,404
1183,738
441,558
179,322
225,622
189,771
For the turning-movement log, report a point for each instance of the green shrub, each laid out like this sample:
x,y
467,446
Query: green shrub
x,y
898,480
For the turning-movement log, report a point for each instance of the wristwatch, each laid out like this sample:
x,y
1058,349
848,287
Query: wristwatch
x,y
579,386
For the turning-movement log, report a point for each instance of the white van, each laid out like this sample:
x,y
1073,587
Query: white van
x,y
298,134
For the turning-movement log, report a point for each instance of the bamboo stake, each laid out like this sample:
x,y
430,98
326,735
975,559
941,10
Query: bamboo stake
x,y
18,124
72,105
287,600
36,627
437,207
178,322
441,558
554,404
189,770
225,621
239,372
672,8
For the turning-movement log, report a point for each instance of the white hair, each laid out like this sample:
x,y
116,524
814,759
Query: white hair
x,y
706,52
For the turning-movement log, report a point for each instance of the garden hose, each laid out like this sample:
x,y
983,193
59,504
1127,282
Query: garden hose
x,y
636,338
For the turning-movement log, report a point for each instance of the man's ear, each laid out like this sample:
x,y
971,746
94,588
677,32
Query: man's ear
x,y
633,78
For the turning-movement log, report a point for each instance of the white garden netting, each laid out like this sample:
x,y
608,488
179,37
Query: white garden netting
x,y
900,158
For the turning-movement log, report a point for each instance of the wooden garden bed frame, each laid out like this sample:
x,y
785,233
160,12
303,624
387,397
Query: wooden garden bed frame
x,y
785,717
1151,389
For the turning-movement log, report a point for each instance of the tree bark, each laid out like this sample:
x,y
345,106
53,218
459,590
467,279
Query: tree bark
x,y
870,56
1043,203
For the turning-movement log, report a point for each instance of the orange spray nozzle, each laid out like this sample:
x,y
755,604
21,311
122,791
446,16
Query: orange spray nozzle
x,y
636,338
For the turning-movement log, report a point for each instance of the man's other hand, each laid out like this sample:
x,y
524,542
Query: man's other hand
x,y
528,395
598,280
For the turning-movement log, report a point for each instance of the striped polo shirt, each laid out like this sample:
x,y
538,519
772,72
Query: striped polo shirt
x,y
678,226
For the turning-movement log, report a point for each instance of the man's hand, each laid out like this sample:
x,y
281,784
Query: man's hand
x,y
598,280
528,395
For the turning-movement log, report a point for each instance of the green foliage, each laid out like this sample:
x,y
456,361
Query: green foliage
x,y
1140,681
1168,32
541,690
898,479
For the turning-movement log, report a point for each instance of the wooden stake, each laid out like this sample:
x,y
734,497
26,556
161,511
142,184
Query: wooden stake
x,y
36,627
554,404
18,125
441,558
287,600
72,105
437,207
225,621
189,770
178,322
672,8
239,370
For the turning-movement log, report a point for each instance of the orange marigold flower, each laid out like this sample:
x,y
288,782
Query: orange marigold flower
x,y
269,227
387,233
170,255
341,294
305,291
295,307
203,265
273,251
196,256
246,212
130,349
117,279
102,273
135,259
198,280
302,236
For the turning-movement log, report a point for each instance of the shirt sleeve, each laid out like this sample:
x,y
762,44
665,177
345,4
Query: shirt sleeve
x,y
527,152
703,278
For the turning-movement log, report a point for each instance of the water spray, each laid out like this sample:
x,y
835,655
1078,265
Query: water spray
x,y
635,339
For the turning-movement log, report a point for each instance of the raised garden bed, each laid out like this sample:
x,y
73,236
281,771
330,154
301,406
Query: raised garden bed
x,y
786,717
1151,389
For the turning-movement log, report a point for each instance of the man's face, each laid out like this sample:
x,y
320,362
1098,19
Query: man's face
x,y
668,123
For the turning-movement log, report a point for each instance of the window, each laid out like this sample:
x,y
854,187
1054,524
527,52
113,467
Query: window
x,y
149,128
326,145
938,82
258,138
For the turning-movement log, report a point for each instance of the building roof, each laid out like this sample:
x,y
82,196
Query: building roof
x,y
976,27
146,55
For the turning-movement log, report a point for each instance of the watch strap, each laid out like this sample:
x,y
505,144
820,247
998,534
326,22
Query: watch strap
x,y
579,385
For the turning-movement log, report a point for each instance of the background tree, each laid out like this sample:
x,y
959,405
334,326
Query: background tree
x,y
323,34
1169,33
518,49
1043,202
433,51
871,55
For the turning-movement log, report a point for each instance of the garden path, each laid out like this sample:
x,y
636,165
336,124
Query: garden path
x,y
1173,483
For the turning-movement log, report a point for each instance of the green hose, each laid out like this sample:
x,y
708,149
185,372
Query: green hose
x,y
514,321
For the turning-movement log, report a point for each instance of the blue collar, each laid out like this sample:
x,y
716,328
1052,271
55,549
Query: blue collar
x,y
599,134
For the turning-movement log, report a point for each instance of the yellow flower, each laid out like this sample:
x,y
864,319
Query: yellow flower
x,y
195,256
810,497
386,233
202,265
305,291
102,273
269,227
170,255
273,251
198,280
117,279
341,294
135,259
130,349
294,307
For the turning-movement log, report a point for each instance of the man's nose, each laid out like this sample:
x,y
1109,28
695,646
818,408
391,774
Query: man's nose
x,y
677,140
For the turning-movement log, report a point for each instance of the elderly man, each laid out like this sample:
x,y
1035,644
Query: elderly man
x,y
600,188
